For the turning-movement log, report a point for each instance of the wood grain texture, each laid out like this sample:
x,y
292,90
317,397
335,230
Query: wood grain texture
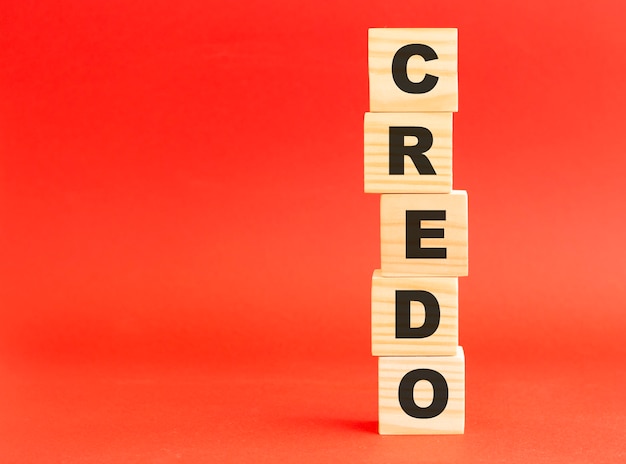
x,y
393,420
393,234
386,96
442,342
376,148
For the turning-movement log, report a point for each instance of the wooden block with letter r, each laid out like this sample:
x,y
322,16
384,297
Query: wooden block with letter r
x,y
408,152
421,395
424,235
414,316
413,70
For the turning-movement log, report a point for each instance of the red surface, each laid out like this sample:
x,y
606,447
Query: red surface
x,y
186,251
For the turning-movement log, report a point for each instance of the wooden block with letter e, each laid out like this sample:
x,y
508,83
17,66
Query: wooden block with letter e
x,y
413,70
421,395
408,152
414,316
424,235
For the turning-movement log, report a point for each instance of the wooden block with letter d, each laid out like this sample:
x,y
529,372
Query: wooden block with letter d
x,y
421,395
408,152
424,235
414,316
413,70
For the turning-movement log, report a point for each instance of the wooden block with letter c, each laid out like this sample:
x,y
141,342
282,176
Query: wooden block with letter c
x,y
413,70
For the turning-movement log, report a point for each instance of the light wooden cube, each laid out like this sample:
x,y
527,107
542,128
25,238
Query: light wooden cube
x,y
421,395
432,305
424,235
426,81
408,152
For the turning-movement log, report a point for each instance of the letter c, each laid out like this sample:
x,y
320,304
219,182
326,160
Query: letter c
x,y
399,68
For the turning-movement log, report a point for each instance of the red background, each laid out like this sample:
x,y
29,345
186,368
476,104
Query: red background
x,y
186,248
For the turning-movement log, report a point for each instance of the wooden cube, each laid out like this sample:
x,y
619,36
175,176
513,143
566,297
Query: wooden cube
x,y
424,235
421,395
414,316
408,152
413,70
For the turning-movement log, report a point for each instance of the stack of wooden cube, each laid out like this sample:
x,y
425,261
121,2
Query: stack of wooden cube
x,y
424,240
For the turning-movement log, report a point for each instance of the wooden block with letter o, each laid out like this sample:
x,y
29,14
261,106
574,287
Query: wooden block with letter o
x,y
424,235
408,152
414,316
413,70
421,395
